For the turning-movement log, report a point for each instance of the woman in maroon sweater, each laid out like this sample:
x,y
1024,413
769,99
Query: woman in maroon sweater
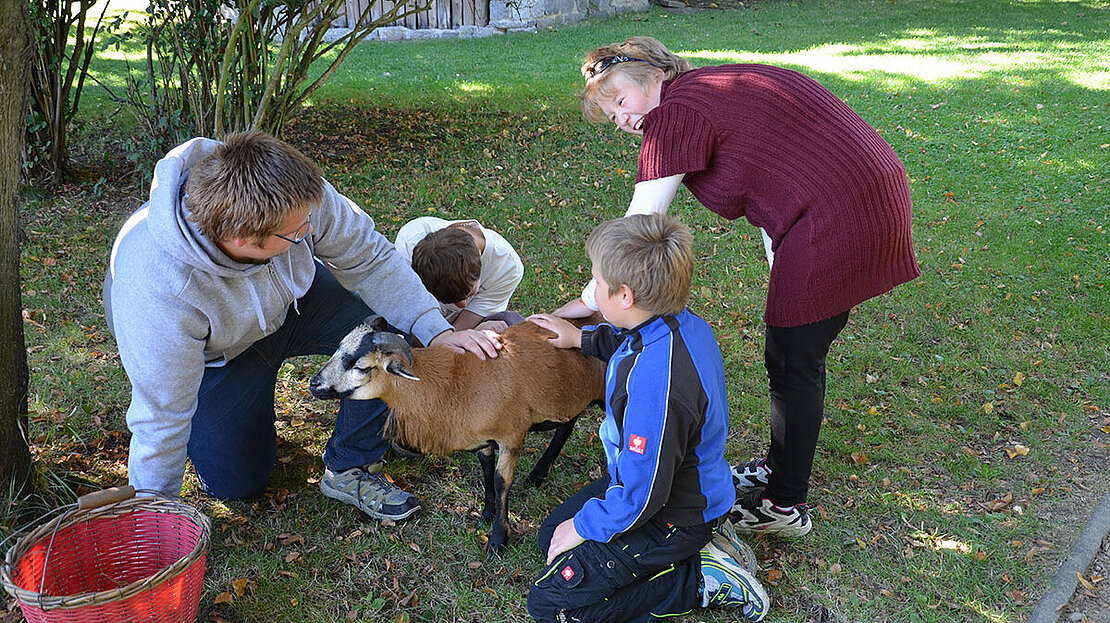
x,y
829,195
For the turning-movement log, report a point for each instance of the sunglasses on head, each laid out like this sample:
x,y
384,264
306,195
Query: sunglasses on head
x,y
606,62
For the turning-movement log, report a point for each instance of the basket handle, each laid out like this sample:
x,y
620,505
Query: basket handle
x,y
96,499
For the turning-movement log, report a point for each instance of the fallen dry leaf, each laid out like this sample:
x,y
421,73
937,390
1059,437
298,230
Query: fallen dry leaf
x,y
224,598
288,538
1033,551
1016,451
774,575
1000,503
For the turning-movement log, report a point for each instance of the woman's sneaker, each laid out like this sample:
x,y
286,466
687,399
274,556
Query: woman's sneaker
x,y
370,491
725,583
755,513
754,473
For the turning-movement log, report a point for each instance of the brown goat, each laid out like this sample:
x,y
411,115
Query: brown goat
x,y
442,401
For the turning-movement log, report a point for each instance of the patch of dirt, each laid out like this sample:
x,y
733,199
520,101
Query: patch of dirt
x,y
1091,602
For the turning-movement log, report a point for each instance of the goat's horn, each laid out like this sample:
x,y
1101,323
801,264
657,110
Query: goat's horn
x,y
376,323
391,343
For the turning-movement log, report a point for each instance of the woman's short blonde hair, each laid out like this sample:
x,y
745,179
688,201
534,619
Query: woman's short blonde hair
x,y
650,253
637,59
249,186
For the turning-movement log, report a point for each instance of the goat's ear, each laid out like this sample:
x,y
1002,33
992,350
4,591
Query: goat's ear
x,y
396,367
376,323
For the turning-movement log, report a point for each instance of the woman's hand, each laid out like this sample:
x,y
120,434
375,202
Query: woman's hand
x,y
484,344
573,309
565,538
566,334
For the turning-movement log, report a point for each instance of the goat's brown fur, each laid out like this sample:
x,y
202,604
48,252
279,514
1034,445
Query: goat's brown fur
x,y
458,402
474,401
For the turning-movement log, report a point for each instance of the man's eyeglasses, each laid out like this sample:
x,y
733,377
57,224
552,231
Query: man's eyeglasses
x,y
301,233
606,62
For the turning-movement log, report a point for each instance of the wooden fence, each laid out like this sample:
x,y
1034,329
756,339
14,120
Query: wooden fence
x,y
445,14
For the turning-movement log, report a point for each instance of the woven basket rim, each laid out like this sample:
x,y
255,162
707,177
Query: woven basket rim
x,y
119,509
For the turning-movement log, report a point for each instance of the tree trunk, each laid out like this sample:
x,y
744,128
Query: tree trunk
x,y
15,458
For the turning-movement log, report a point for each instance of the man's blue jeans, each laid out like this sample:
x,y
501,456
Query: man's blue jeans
x,y
233,434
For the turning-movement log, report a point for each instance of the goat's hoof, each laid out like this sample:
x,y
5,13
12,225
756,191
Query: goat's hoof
x,y
493,552
534,481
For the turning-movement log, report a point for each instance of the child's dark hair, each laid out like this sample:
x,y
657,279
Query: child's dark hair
x,y
448,263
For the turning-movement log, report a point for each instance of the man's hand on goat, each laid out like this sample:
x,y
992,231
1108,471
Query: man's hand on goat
x,y
565,538
566,334
484,344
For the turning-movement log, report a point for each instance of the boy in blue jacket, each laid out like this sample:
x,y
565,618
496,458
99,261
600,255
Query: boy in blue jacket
x,y
635,545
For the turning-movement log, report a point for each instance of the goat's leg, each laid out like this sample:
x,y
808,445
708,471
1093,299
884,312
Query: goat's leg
x,y
485,460
539,471
507,457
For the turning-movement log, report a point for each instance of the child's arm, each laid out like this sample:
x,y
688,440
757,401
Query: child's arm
x,y
467,320
566,334
649,448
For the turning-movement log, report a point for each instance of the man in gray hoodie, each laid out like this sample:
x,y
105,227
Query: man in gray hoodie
x,y
242,257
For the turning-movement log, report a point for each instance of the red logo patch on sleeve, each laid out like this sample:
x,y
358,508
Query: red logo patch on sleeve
x,y
567,573
637,444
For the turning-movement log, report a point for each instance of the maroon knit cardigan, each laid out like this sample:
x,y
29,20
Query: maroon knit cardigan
x,y
776,147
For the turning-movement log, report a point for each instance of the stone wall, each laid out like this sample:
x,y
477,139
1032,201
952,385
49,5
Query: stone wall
x,y
512,16
519,14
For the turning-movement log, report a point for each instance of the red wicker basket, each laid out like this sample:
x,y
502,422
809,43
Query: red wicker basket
x,y
111,557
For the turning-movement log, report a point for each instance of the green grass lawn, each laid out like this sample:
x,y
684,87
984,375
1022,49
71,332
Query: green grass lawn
x,y
968,412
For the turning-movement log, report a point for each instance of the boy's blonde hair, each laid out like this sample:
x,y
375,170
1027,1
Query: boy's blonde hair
x,y
645,55
650,253
249,186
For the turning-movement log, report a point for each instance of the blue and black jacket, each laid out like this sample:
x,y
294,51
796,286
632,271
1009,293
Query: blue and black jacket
x,y
666,421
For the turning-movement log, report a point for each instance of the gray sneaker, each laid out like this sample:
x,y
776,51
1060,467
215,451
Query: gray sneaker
x,y
368,489
727,540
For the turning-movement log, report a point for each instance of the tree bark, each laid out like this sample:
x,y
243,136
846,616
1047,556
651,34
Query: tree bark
x,y
15,458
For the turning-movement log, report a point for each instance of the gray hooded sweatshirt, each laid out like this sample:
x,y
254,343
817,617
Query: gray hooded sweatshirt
x,y
176,303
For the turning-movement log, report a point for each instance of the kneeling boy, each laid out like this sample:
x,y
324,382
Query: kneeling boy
x,y
635,545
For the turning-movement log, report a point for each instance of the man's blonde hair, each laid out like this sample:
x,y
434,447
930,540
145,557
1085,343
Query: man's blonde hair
x,y
650,253
249,186
648,56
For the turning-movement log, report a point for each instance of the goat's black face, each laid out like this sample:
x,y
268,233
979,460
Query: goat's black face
x,y
362,355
